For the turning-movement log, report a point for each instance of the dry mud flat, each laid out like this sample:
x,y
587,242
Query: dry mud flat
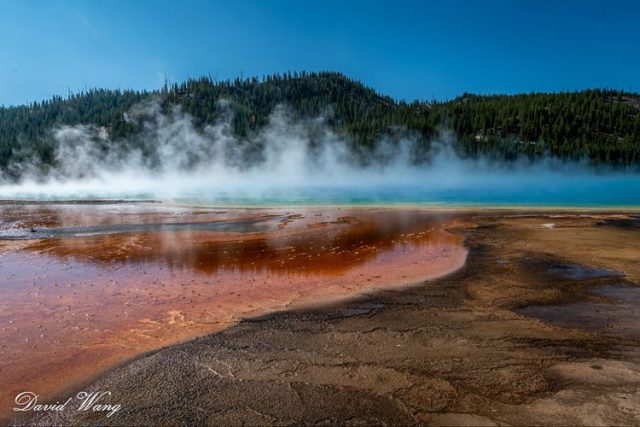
x,y
482,346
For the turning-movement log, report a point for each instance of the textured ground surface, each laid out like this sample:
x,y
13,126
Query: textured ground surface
x,y
476,347
87,287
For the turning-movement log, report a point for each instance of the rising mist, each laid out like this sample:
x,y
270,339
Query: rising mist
x,y
292,160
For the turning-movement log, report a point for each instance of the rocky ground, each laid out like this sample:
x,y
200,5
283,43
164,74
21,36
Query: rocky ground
x,y
474,348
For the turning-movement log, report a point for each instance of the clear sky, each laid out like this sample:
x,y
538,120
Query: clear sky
x,y
407,49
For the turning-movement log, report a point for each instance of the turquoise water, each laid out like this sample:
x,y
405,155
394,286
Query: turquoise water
x,y
439,188
607,191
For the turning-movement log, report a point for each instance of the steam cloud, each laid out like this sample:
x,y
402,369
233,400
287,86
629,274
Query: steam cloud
x,y
287,158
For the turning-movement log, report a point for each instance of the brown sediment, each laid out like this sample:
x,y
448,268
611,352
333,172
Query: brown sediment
x,y
98,294
453,352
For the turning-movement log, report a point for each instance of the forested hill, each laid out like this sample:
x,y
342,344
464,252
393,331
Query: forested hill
x,y
601,126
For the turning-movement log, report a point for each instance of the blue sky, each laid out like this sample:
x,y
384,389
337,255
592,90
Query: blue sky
x,y
407,49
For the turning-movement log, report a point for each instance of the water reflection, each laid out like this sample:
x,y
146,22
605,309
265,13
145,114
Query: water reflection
x,y
73,306
319,243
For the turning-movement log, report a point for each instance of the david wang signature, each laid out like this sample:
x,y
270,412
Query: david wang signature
x,y
89,401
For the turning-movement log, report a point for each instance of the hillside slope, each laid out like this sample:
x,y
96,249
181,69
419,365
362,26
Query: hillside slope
x,y
598,125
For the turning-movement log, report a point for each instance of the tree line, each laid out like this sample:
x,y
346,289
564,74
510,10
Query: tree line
x,y
599,126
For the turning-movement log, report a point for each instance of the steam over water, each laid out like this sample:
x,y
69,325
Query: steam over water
x,y
295,162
